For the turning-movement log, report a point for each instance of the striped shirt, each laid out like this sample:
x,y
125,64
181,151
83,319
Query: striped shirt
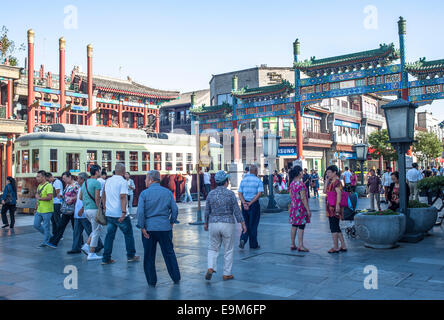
x,y
250,186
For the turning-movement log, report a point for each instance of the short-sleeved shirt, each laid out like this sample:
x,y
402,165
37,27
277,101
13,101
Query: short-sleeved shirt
x,y
347,177
131,184
250,186
44,190
102,184
57,184
207,178
114,187
93,185
79,205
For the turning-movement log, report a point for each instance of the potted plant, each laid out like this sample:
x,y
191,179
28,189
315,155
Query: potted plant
x,y
381,229
421,217
431,187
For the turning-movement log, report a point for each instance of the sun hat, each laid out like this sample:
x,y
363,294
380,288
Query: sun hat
x,y
221,176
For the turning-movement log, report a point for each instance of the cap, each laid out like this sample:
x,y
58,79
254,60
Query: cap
x,y
221,176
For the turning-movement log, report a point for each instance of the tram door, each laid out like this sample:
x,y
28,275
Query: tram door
x,y
73,162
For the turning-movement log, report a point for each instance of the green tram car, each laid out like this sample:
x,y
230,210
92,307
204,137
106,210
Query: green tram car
x,y
62,147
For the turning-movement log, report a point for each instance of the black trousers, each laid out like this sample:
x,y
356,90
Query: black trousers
x,y
61,229
11,208
55,218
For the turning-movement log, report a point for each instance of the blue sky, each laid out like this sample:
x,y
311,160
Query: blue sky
x,y
178,45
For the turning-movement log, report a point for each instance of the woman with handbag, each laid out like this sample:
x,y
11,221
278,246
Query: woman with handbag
x,y
69,197
9,201
335,212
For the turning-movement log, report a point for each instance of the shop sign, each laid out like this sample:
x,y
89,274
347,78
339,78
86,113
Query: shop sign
x,y
287,151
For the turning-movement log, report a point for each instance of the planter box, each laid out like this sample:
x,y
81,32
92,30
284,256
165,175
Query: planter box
x,y
263,202
380,232
282,201
418,222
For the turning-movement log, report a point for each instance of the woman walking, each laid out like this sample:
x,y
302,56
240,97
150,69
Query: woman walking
x,y
188,183
334,211
300,213
315,183
9,201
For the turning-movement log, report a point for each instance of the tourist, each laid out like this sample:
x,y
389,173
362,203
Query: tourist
x,y
413,177
434,171
45,207
67,209
386,182
188,182
266,182
102,181
393,193
91,201
131,188
156,214
353,181
427,173
374,189
346,176
250,190
299,212
334,211
115,202
9,202
57,200
284,178
246,171
221,214
207,182
440,171
314,183
306,178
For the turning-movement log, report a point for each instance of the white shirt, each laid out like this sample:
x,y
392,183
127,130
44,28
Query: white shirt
x,y
79,205
131,184
347,176
188,180
386,179
413,175
207,178
102,183
57,184
114,187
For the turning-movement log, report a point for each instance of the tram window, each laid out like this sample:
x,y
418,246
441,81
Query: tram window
x,y
73,162
134,159
91,158
120,157
190,162
106,161
53,160
158,161
168,161
17,163
179,161
145,161
35,160
25,161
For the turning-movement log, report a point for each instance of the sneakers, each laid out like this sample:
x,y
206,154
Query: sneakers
x,y
93,256
242,244
85,249
134,259
53,246
209,274
231,277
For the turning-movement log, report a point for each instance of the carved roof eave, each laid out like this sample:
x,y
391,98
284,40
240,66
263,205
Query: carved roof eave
x,y
283,88
423,69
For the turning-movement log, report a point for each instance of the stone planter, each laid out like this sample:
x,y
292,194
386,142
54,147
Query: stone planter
x,y
282,201
380,232
418,222
361,191
263,202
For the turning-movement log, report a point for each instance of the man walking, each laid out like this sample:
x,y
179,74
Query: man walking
x,y
346,176
413,176
57,200
373,188
131,188
207,182
115,201
250,190
156,214
45,207
307,179
221,210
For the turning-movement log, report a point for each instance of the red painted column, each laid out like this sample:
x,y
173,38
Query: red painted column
x,y
299,138
9,156
109,122
235,142
90,85
43,115
30,80
145,116
135,120
120,114
62,80
157,121
9,97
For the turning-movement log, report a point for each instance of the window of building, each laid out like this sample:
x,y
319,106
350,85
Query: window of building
x,y
53,160
25,161
158,161
168,161
106,161
224,98
73,162
179,161
120,157
190,162
145,161
134,159
316,125
35,160
91,158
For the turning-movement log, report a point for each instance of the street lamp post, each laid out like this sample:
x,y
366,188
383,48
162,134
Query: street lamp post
x,y
400,117
271,145
361,155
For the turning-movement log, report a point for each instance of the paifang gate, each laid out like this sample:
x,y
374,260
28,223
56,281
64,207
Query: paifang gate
x,y
373,71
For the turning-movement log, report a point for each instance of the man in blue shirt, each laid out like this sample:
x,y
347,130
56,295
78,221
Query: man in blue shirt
x,y
250,190
156,214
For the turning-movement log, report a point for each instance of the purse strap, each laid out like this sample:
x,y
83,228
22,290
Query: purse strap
x,y
87,191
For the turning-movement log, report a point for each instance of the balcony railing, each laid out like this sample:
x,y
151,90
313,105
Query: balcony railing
x,y
346,138
345,111
373,116
317,135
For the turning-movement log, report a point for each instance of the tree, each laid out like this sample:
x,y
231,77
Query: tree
x,y
427,146
7,47
378,140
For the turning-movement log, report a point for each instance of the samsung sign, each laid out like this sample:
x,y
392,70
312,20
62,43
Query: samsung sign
x,y
287,151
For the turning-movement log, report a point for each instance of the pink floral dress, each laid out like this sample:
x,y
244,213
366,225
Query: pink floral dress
x,y
298,213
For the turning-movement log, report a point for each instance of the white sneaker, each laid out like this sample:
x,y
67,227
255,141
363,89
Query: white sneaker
x,y
85,249
93,256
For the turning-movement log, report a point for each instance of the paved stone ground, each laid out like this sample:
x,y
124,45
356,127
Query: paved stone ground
x,y
411,271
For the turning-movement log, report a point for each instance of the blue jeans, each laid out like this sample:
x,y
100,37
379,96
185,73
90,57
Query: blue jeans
x,y
251,217
165,239
127,229
81,225
45,230
187,195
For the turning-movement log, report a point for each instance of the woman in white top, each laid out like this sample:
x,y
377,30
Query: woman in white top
x,y
188,182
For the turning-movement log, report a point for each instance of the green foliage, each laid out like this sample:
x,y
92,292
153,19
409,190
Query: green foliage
x,y
7,47
378,140
417,204
427,147
387,212
431,184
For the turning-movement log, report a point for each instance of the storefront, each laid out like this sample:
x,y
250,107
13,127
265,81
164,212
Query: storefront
x,y
286,154
314,159
346,159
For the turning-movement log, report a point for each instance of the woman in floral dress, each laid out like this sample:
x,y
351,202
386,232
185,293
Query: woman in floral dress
x,y
299,214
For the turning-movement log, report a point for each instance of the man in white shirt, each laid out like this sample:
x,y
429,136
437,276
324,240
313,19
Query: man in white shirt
x,y
115,201
102,180
207,182
386,182
57,200
188,182
413,176
131,188
346,176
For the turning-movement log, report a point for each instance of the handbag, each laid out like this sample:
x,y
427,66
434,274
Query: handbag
x,y
67,209
331,198
8,198
100,215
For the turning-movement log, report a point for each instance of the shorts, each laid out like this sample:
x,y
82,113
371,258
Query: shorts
x,y
334,225
301,227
